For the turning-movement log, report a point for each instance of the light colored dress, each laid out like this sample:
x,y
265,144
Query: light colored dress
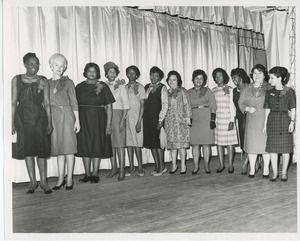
x,y
255,140
63,103
136,93
203,103
179,108
224,115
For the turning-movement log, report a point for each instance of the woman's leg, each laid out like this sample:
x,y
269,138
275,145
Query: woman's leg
x,y
174,159
252,160
245,165
114,169
161,159
196,157
206,155
121,157
231,151
266,158
182,153
155,157
96,165
61,169
220,150
139,157
70,168
42,165
274,164
30,165
130,152
87,165
285,164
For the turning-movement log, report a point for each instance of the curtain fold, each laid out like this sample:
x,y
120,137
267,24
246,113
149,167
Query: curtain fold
x,y
124,35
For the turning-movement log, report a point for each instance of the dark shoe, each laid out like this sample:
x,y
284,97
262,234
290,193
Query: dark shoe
x,y
121,178
182,173
284,179
59,187
231,170
273,179
244,173
85,179
70,187
251,176
173,172
195,172
46,191
94,179
207,171
31,191
221,170
266,176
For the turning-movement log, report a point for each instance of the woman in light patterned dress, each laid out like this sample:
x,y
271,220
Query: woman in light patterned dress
x,y
225,132
134,135
178,120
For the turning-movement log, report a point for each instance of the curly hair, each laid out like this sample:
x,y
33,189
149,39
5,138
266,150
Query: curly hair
x,y
155,69
60,57
200,72
179,80
92,65
282,72
224,73
135,69
29,55
242,74
260,68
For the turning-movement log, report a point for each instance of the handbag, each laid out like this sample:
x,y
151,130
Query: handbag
x,y
163,138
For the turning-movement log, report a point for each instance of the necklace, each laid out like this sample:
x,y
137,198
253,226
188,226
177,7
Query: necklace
x,y
55,89
30,77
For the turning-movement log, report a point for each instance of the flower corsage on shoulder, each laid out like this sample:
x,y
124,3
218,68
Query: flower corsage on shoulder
x,y
99,87
41,84
284,91
226,89
118,83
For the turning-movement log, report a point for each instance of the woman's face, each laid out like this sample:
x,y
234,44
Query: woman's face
x,y
198,81
219,78
155,77
32,66
91,73
173,82
237,80
258,76
111,74
58,67
274,80
131,75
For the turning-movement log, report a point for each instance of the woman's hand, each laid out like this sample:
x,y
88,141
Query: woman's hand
x,y
159,125
108,129
292,126
250,109
187,121
265,130
77,126
49,128
122,125
230,126
13,129
138,127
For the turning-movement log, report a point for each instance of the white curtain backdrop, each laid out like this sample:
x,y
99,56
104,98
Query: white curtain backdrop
x,y
124,35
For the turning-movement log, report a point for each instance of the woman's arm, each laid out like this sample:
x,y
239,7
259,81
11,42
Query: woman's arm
x,y
138,126
109,119
164,106
47,105
74,105
14,101
266,120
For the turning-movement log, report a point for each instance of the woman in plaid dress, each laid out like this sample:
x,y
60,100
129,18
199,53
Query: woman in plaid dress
x,y
225,132
279,125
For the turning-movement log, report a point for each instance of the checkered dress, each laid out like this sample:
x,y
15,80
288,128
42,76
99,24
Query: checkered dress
x,y
279,139
223,137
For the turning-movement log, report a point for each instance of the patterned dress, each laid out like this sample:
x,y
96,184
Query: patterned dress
x,y
201,134
136,93
63,103
279,139
177,130
91,140
30,122
224,115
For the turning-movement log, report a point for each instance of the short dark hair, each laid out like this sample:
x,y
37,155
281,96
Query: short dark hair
x,y
29,55
179,80
155,69
135,69
260,68
282,72
242,74
92,65
224,73
200,72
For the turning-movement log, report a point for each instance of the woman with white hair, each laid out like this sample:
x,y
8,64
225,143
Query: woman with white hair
x,y
65,120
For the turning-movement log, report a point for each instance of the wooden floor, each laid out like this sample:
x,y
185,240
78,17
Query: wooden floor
x,y
171,203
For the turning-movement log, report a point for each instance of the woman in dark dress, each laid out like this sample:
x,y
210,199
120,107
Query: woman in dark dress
x,y
240,79
31,121
156,106
95,114
279,125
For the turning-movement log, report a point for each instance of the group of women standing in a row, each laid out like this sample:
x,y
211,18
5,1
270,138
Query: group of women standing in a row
x,y
96,119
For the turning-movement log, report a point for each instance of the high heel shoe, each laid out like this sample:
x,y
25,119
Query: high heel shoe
x,y
173,172
273,179
207,171
85,179
46,191
94,179
128,174
59,187
31,190
251,176
141,174
284,179
266,176
231,170
182,173
195,172
221,170
70,187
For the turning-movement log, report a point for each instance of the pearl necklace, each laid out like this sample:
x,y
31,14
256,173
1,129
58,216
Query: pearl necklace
x,y
30,77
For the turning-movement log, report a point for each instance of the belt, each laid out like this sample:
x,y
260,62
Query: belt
x,y
97,106
199,107
280,111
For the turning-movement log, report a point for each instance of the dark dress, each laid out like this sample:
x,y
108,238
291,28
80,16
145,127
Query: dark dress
x,y
30,122
241,117
91,140
152,108
279,139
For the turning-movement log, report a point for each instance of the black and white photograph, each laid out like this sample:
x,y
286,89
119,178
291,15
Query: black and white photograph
x,y
155,120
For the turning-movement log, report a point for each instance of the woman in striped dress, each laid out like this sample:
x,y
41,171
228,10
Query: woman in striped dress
x,y
279,125
225,132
